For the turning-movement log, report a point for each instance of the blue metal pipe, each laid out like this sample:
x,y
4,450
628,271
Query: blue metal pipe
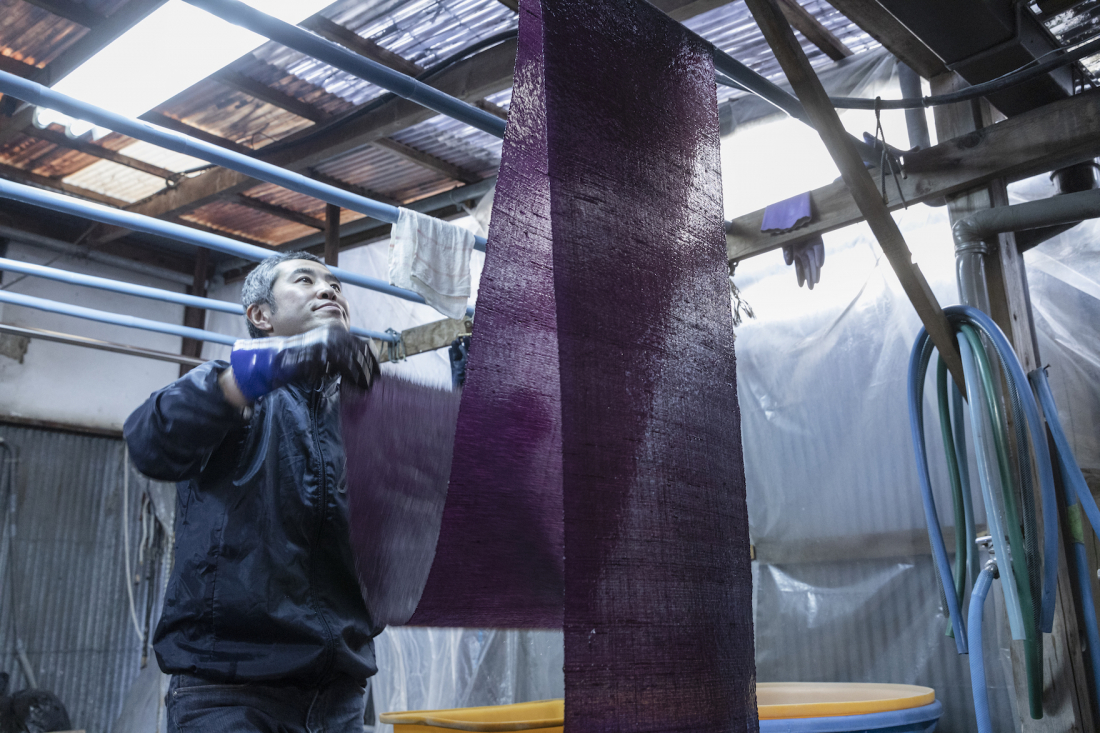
x,y
116,319
142,291
43,96
319,48
178,232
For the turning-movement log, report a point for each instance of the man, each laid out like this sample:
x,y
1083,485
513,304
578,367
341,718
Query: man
x,y
264,627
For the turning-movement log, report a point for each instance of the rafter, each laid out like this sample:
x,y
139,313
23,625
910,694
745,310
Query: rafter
x,y
76,12
280,211
88,148
365,47
53,184
351,187
257,89
427,160
878,23
171,123
816,33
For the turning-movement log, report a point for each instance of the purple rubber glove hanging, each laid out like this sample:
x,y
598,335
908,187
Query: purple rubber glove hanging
x,y
265,364
807,257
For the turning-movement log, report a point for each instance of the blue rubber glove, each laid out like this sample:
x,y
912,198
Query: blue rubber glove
x,y
263,365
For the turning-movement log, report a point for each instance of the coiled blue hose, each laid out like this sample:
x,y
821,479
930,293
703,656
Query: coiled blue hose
x,y
977,660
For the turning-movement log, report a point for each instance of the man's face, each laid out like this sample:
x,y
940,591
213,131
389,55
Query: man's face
x,y
306,296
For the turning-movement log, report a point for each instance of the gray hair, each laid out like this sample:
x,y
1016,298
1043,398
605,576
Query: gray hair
x,y
259,283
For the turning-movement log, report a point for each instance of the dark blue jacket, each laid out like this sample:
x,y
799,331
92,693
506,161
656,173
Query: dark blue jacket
x,y
263,586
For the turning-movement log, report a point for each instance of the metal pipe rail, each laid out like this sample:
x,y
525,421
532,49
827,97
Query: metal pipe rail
x,y
178,232
115,319
43,96
143,291
322,49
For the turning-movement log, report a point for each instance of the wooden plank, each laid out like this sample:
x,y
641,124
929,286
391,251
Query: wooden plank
x,y
19,68
280,211
1057,135
195,317
878,23
98,151
426,160
171,123
78,13
866,195
258,90
365,47
816,33
22,176
332,235
429,336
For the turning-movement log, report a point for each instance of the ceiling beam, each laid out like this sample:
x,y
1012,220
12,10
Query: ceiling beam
x,y
427,160
83,49
78,13
60,139
53,184
1035,142
365,47
220,232
816,33
351,187
878,23
247,85
14,66
171,123
827,122
280,211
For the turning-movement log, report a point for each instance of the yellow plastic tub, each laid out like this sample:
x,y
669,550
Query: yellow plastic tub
x,y
544,716
785,700
775,701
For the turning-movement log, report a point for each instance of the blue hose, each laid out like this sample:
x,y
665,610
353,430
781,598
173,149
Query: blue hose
x,y
1017,379
977,660
1078,499
918,365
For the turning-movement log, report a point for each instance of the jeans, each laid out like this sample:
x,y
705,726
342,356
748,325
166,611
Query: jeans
x,y
195,704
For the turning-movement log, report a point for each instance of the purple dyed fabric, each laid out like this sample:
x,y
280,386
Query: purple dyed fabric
x,y
788,214
398,440
658,614
499,560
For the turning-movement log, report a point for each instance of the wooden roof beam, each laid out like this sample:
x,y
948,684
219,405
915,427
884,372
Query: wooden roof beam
x,y
365,47
247,85
351,187
866,195
1045,139
60,139
878,23
280,211
816,33
78,13
427,160
53,184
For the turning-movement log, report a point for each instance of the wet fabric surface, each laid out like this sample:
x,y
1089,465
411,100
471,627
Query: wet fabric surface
x,y
599,422
398,440
658,618
499,560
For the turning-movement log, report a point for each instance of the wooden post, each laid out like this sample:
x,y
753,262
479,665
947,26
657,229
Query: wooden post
x,y
195,317
867,197
1066,692
332,235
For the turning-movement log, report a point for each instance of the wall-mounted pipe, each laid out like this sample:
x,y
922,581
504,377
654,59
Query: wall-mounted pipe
x,y
915,121
179,233
43,96
971,232
332,54
115,319
143,291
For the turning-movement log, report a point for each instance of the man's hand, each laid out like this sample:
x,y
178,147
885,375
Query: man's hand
x,y
262,365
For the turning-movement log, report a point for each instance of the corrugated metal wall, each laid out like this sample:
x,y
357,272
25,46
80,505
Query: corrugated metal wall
x,y
65,568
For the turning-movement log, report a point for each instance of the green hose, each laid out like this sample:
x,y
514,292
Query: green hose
x,y
1033,641
962,542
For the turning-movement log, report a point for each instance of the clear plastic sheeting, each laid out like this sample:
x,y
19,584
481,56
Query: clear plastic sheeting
x,y
432,669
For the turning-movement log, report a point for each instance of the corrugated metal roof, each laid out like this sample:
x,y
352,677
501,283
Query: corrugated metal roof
x,y
119,181
241,220
67,568
1076,25
33,35
377,169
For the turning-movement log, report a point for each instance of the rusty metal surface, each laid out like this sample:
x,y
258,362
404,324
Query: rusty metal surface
x,y
240,220
33,35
